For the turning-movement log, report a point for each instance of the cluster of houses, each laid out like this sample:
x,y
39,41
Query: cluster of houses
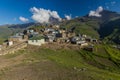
x,y
13,40
49,34
116,46
54,33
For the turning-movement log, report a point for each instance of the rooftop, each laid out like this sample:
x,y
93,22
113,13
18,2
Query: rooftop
x,y
37,37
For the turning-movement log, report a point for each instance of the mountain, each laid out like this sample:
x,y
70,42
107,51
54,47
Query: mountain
x,y
97,27
106,27
22,26
110,31
106,16
8,30
70,62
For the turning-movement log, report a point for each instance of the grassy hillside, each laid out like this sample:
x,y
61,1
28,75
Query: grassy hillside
x,y
88,27
5,32
37,63
111,31
97,27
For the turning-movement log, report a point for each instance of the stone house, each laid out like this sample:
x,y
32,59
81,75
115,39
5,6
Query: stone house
x,y
94,40
50,38
89,48
36,40
30,31
10,43
75,39
48,30
16,38
82,43
70,34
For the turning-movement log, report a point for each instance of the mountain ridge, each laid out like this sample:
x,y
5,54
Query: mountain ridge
x,y
96,27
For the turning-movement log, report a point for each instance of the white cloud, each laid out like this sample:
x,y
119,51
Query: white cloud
x,y
68,17
43,15
97,12
23,19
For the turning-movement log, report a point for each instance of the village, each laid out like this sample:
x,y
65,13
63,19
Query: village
x,y
46,35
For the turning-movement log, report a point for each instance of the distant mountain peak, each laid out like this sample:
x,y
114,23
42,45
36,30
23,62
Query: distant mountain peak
x,y
106,16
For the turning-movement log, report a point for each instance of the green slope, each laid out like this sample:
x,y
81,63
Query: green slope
x,y
104,27
63,64
5,32
88,27
110,31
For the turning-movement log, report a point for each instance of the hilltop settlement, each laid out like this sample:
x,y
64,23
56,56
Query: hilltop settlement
x,y
45,35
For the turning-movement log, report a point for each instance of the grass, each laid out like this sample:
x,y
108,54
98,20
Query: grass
x,y
65,64
70,59
8,56
5,32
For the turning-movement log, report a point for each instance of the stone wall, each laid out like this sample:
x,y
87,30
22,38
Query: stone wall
x,y
14,48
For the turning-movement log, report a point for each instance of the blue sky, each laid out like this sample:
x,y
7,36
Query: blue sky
x,y
12,10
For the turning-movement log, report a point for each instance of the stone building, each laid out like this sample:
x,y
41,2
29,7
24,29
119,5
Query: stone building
x,y
15,38
36,40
